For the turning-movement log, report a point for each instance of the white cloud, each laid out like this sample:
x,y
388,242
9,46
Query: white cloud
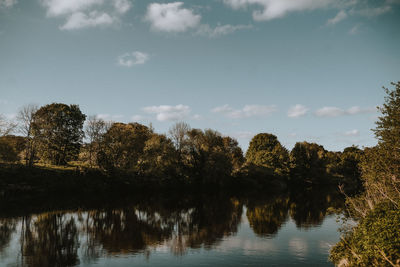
x,y
137,118
354,132
122,6
169,113
171,17
273,9
134,58
329,112
64,7
79,20
7,3
220,30
297,111
335,111
339,17
246,112
86,13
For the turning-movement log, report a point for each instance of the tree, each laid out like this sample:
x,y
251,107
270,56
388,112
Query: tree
x,y
178,133
6,127
375,240
207,156
234,151
58,129
308,162
266,151
25,118
387,129
122,145
94,130
159,157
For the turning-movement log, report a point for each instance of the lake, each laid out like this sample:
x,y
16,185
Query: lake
x,y
291,229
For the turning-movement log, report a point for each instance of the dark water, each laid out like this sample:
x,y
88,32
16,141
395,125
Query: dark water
x,y
293,229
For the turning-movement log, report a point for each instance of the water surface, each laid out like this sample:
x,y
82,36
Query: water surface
x,y
294,229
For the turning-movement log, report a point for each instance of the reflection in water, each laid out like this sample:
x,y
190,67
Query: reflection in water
x,y
84,237
50,239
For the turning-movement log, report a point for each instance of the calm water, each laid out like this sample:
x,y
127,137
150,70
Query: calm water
x,y
287,230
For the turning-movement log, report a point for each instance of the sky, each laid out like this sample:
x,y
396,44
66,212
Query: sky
x,y
304,70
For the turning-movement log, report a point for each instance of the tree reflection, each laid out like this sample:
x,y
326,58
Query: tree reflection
x,y
308,208
135,229
7,228
266,217
175,224
50,239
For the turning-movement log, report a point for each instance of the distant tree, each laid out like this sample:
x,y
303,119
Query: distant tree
x,y
25,118
266,151
350,160
95,129
6,126
122,145
207,157
10,148
234,151
58,129
178,133
159,157
308,162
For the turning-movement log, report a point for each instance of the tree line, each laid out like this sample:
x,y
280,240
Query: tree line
x,y
60,134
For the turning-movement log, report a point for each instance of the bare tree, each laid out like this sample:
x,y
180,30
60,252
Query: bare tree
x,y
178,134
25,119
6,126
95,128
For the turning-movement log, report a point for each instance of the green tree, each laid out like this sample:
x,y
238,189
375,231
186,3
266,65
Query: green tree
x,y
266,151
11,147
122,145
375,241
308,162
208,157
58,129
159,158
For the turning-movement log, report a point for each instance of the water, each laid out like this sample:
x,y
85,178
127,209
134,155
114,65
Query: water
x,y
295,229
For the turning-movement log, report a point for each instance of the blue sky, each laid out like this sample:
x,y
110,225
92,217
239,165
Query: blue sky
x,y
301,69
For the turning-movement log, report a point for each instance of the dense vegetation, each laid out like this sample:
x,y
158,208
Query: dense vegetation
x,y
375,240
59,136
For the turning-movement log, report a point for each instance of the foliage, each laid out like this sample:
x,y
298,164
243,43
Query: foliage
x,y
266,151
57,128
207,157
375,241
10,148
308,161
159,158
122,145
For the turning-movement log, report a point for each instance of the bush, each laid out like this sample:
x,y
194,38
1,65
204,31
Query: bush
x,y
375,241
